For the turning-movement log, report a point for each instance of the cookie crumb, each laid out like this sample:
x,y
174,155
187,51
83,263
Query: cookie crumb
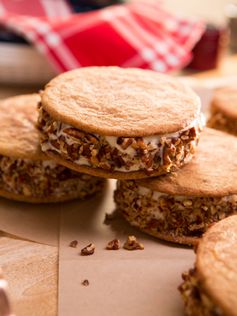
x,y
113,245
132,244
85,283
73,243
88,250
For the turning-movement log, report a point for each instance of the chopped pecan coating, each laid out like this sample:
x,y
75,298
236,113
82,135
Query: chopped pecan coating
x,y
169,214
196,301
161,154
43,178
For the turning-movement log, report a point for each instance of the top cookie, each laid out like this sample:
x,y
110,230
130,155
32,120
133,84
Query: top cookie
x,y
19,137
121,102
217,264
212,171
225,100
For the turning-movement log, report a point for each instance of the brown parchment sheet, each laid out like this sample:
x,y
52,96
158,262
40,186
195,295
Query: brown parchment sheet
x,y
39,223
122,282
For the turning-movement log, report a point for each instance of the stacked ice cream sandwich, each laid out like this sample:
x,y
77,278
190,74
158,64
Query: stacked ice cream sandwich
x,y
224,110
119,123
134,125
27,174
142,128
210,287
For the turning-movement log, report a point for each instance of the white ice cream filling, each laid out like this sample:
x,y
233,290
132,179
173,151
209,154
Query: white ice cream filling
x,y
129,153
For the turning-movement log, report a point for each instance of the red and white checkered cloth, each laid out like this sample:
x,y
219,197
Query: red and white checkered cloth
x,y
131,35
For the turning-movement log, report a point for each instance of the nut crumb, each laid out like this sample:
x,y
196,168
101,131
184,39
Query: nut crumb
x,y
85,283
109,217
88,250
195,247
132,244
113,245
73,243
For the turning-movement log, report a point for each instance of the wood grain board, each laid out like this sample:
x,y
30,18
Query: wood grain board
x,y
31,272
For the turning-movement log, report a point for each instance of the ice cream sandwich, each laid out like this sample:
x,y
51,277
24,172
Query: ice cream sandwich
x,y
180,207
119,123
210,288
224,110
26,174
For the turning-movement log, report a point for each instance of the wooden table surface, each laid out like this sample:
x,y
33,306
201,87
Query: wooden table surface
x,y
30,268
31,272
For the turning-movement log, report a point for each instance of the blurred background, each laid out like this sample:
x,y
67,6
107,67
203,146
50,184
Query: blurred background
x,y
41,38
211,10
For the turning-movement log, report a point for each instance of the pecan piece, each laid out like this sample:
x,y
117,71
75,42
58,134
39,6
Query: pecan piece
x,y
141,144
73,151
109,217
113,245
119,161
51,128
132,244
73,243
105,165
148,160
94,160
85,282
126,143
74,132
86,150
187,203
184,137
55,144
88,250
119,140
192,133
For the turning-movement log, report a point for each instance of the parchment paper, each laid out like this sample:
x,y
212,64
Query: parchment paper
x,y
39,223
122,282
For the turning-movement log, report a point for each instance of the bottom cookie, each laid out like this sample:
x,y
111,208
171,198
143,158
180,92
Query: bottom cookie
x,y
223,110
222,122
209,289
181,206
172,218
44,181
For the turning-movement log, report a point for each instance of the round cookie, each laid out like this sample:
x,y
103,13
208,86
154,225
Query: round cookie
x,y
210,288
26,174
224,110
180,207
119,123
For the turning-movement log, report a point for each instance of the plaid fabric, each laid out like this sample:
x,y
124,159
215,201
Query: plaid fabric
x,y
131,35
49,8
